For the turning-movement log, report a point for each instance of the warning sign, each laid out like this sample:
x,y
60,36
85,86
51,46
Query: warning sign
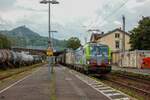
x,y
49,52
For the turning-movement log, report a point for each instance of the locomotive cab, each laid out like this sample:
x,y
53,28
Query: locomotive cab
x,y
97,58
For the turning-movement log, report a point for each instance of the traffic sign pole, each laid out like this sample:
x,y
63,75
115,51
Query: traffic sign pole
x,y
49,67
52,66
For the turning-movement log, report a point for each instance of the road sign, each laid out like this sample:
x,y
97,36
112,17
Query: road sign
x,y
49,52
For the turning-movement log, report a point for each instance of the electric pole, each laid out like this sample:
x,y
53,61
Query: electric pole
x,y
123,38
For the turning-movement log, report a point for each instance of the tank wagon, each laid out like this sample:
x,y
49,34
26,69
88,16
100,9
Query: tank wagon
x,y
92,58
9,58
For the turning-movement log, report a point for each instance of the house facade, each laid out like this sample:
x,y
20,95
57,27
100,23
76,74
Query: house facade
x,y
114,39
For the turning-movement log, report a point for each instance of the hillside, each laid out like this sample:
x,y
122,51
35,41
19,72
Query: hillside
x,y
24,37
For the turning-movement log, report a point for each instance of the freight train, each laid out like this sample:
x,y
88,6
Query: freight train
x,y
9,58
92,58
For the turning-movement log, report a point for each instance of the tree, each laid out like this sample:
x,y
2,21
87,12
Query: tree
x,y
140,37
73,43
4,42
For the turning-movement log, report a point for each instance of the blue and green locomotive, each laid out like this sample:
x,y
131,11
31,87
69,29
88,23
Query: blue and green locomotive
x,y
92,58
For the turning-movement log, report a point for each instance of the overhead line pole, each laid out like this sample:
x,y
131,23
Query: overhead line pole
x,y
123,38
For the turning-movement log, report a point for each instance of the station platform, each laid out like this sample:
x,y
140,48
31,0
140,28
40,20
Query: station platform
x,y
132,70
35,86
69,87
64,84
72,85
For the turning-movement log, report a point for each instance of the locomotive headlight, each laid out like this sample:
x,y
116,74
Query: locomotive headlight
x,y
88,62
109,62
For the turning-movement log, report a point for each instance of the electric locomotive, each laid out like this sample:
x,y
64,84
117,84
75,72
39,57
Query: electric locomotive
x,y
93,58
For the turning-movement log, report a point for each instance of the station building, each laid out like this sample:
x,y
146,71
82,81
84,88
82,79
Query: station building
x,y
113,39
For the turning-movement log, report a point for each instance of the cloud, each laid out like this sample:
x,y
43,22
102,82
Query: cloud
x,y
132,9
32,9
141,0
70,17
32,4
4,4
118,23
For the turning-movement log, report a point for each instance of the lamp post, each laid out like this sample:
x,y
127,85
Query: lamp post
x,y
49,15
49,2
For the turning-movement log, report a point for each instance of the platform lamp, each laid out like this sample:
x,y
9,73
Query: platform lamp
x,y
49,2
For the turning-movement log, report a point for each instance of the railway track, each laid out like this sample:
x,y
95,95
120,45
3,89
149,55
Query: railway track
x,y
143,91
139,86
138,79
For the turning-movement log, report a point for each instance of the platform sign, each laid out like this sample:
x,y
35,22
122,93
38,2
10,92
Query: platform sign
x,y
49,52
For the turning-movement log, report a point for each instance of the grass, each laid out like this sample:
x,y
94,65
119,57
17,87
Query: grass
x,y
16,74
11,72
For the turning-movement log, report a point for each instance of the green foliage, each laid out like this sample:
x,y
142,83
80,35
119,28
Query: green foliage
x,y
73,43
24,37
4,42
140,37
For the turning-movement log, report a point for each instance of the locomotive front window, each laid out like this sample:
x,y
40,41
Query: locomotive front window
x,y
94,50
98,50
104,50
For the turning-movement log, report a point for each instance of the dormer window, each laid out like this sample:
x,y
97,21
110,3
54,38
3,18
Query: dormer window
x,y
117,35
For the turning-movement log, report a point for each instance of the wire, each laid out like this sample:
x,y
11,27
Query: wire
x,y
106,4
112,13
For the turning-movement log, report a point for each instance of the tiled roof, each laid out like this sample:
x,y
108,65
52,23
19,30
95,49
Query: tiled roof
x,y
117,29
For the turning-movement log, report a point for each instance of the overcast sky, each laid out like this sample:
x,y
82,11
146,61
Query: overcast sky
x,y
72,17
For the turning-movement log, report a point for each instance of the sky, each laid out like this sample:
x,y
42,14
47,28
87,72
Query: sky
x,y
72,17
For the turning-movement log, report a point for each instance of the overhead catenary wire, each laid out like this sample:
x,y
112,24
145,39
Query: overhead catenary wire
x,y
112,13
97,17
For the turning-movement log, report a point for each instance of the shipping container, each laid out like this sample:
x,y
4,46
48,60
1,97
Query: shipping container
x,y
70,57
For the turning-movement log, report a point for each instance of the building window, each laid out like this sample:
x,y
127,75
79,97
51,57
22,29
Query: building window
x,y
117,44
117,35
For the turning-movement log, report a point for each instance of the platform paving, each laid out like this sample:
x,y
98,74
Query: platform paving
x,y
36,86
69,87
32,87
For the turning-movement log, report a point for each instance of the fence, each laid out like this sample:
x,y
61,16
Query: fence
x,y
133,59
